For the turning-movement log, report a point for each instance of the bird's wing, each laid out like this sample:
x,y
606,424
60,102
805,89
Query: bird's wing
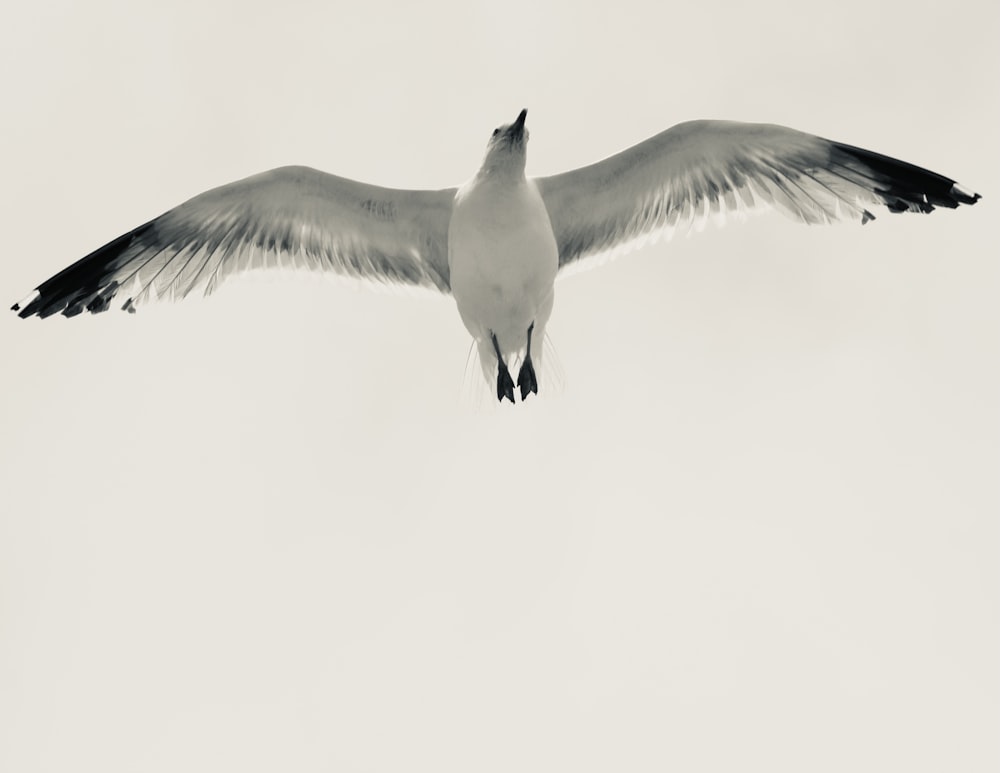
x,y
703,168
290,216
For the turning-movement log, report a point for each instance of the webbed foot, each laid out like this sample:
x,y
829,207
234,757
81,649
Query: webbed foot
x,y
505,384
526,379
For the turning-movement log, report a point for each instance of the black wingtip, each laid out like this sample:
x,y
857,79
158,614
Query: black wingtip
x,y
902,187
28,306
962,196
87,285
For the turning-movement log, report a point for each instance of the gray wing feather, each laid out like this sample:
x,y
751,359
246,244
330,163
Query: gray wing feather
x,y
293,217
703,169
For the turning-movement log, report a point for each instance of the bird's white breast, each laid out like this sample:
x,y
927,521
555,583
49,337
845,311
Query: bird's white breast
x,y
503,259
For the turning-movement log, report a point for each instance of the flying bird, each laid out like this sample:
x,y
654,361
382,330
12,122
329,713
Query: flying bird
x,y
498,242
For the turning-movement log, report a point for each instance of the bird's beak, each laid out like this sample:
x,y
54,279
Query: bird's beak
x,y
517,128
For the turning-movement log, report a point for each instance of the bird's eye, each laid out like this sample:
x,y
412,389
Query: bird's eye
x,y
496,132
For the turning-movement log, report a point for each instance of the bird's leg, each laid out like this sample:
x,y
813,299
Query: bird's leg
x,y
526,378
505,384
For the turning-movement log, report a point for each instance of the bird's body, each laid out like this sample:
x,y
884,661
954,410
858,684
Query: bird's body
x,y
503,260
498,242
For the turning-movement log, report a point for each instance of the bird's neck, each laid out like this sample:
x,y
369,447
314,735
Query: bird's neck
x,y
506,171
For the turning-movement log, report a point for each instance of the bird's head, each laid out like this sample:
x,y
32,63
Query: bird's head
x,y
507,150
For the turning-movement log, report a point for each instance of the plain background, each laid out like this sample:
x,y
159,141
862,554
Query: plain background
x,y
756,531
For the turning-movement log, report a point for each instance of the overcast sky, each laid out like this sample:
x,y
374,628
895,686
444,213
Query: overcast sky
x,y
756,530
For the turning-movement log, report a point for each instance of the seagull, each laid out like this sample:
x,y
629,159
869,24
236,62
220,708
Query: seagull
x,y
498,242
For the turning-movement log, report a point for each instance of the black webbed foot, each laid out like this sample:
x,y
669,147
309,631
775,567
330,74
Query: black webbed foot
x,y
505,384
526,379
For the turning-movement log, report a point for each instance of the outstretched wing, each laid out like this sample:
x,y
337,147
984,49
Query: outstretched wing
x,y
704,168
290,216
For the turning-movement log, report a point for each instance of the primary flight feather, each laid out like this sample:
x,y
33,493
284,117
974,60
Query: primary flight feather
x,y
498,242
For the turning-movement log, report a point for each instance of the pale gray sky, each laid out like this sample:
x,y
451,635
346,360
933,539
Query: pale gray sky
x,y
757,531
